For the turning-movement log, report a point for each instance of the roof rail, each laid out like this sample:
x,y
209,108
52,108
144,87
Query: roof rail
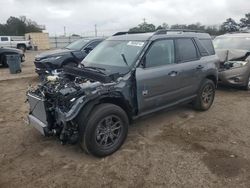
x,y
128,32
165,31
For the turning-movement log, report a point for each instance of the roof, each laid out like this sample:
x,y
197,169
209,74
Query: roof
x,y
158,35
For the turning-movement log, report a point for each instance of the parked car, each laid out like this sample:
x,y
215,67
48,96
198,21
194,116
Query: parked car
x,y
9,51
125,77
234,53
7,41
71,55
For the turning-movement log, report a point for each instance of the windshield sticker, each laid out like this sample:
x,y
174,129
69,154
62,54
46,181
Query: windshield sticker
x,y
135,43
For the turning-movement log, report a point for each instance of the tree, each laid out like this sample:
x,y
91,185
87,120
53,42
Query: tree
x,y
214,30
143,27
230,25
163,26
179,26
245,22
19,26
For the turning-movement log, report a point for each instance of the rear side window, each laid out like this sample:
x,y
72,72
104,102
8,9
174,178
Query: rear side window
x,y
207,43
160,53
186,50
201,47
4,38
94,44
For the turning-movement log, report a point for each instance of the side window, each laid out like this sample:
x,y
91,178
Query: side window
x,y
207,43
91,46
94,44
160,53
201,47
4,38
186,50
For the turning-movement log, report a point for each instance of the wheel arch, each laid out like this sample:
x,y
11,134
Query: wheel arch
x,y
87,108
213,78
21,44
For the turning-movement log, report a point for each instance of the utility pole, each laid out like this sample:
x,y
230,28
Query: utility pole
x,y
64,29
95,30
144,20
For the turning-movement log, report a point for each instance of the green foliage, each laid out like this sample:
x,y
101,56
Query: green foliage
x,y
143,27
230,26
18,26
245,22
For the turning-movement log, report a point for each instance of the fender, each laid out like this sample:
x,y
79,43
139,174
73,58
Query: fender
x,y
87,103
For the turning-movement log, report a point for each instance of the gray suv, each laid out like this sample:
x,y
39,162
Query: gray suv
x,y
125,77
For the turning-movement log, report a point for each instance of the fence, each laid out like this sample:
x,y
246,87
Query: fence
x,y
60,42
55,42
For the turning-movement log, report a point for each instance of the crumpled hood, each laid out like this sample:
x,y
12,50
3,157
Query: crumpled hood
x,y
50,53
231,54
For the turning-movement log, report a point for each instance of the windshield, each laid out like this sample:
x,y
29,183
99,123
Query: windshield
x,y
242,43
114,56
77,45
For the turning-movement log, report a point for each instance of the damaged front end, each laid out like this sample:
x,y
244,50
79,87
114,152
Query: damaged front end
x,y
56,102
234,67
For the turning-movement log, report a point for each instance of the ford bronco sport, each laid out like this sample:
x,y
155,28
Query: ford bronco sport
x,y
125,77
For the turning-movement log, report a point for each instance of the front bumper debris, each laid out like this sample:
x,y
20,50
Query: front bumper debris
x,y
234,76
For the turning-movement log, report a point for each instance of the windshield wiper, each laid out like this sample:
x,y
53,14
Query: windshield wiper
x,y
124,59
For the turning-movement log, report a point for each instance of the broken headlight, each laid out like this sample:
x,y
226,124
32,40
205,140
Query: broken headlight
x,y
235,64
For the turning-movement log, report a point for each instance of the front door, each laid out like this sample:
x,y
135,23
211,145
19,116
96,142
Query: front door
x,y
158,81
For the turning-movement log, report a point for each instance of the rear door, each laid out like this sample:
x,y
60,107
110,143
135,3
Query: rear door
x,y
190,66
158,79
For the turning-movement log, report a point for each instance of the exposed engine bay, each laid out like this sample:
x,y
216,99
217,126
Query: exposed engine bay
x,y
56,101
232,58
234,67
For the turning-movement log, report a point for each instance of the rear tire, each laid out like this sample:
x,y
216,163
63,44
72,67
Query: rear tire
x,y
105,130
205,97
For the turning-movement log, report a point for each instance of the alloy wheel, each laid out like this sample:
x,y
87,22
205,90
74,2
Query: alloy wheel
x,y
108,131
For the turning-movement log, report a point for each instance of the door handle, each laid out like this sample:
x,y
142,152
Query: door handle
x,y
199,67
173,73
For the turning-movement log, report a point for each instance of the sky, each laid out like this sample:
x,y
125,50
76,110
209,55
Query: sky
x,y
110,16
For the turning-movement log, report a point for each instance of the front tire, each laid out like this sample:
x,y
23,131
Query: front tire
x,y
205,96
105,130
247,86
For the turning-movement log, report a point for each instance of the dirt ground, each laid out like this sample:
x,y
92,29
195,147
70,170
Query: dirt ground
x,y
174,148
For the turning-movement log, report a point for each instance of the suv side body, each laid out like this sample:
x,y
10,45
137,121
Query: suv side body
x,y
167,70
166,85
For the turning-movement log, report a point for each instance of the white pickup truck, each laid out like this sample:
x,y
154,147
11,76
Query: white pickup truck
x,y
6,41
